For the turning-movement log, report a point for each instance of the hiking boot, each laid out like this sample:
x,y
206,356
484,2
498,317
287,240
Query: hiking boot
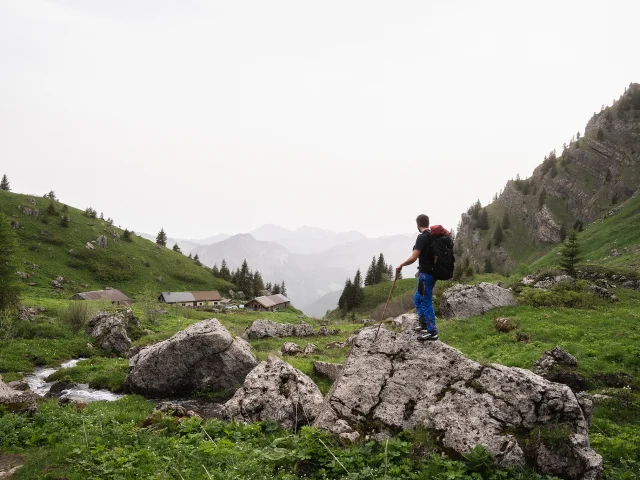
x,y
426,336
422,325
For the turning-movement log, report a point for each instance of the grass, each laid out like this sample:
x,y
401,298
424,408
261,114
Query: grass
x,y
620,232
98,372
48,250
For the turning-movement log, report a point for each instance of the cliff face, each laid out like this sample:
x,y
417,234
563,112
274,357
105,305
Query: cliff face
x,y
591,176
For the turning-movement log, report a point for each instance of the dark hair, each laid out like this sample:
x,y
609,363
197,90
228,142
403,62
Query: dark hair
x,y
422,221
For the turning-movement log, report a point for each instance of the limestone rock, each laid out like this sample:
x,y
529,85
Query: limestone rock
x,y
89,246
274,390
602,292
325,331
309,348
15,400
406,321
464,301
20,385
290,348
549,282
110,330
203,356
332,371
528,280
271,329
504,324
102,241
397,383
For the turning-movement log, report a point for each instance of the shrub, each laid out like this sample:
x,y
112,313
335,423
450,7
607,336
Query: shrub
x,y
8,325
76,315
571,295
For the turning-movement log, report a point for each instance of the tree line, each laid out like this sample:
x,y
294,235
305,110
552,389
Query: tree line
x,y
353,293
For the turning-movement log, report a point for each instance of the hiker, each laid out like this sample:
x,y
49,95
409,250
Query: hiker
x,y
434,249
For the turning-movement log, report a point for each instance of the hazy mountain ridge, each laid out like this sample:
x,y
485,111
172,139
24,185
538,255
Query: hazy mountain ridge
x,y
590,177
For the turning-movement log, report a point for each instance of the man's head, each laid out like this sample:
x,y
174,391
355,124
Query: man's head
x,y
423,222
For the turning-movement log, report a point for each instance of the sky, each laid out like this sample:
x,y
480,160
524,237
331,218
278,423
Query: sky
x,y
203,116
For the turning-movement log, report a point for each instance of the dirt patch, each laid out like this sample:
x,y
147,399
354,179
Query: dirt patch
x,y
9,463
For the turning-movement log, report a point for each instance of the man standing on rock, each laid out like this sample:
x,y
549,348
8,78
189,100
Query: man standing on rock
x,y
423,298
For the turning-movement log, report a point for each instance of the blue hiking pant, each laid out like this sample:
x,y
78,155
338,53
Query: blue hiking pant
x,y
423,300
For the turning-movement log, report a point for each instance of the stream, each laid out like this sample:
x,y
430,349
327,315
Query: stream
x,y
81,392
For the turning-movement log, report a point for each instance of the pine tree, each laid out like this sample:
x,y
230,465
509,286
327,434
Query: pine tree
x,y
258,284
51,209
197,259
358,292
570,254
215,271
483,220
370,277
127,235
51,195
224,270
176,248
64,221
4,184
283,289
498,236
9,286
275,290
563,232
381,268
506,222
488,266
268,287
346,299
161,239
190,255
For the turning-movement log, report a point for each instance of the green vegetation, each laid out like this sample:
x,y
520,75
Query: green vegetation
x,y
9,287
48,250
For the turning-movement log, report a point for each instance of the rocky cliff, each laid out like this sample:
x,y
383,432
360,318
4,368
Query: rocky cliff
x,y
594,173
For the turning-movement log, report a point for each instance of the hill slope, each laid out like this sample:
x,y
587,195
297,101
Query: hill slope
x,y
47,250
591,176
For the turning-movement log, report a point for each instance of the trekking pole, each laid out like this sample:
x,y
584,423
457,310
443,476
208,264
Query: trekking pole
x,y
385,308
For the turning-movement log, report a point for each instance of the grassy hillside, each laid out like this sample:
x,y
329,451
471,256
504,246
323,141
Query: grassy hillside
x,y
592,175
47,250
612,242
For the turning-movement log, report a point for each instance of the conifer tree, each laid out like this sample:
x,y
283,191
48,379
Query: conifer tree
x,y
506,222
190,255
51,209
275,290
197,259
370,277
381,268
64,221
488,266
258,284
358,292
498,236
570,254
51,195
9,286
176,248
268,287
224,270
283,289
161,238
127,235
4,184
483,220
346,299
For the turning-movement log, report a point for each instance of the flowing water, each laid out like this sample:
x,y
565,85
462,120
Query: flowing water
x,y
81,392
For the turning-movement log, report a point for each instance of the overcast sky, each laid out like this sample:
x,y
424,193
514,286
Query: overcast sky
x,y
205,117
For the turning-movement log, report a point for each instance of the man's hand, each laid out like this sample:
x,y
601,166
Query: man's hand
x,y
398,269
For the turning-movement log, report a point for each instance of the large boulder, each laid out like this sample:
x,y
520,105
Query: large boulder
x,y
203,356
110,330
397,383
274,390
464,301
271,329
15,400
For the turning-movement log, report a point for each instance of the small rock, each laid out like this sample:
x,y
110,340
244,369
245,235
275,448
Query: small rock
x,y
89,246
102,241
309,348
336,345
504,325
19,385
325,331
290,348
58,388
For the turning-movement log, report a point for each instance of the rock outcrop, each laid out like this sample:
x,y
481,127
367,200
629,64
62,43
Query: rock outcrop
x,y
15,400
271,329
332,371
110,330
396,383
559,366
276,391
203,356
405,321
464,301
290,348
549,282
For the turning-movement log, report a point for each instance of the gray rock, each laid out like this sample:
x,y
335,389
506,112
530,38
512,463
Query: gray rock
x,y
20,385
270,329
15,400
464,301
336,345
405,321
549,282
110,330
309,348
23,275
602,292
274,390
58,388
290,348
102,241
205,409
89,246
551,358
397,383
203,356
332,371
528,280
325,331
